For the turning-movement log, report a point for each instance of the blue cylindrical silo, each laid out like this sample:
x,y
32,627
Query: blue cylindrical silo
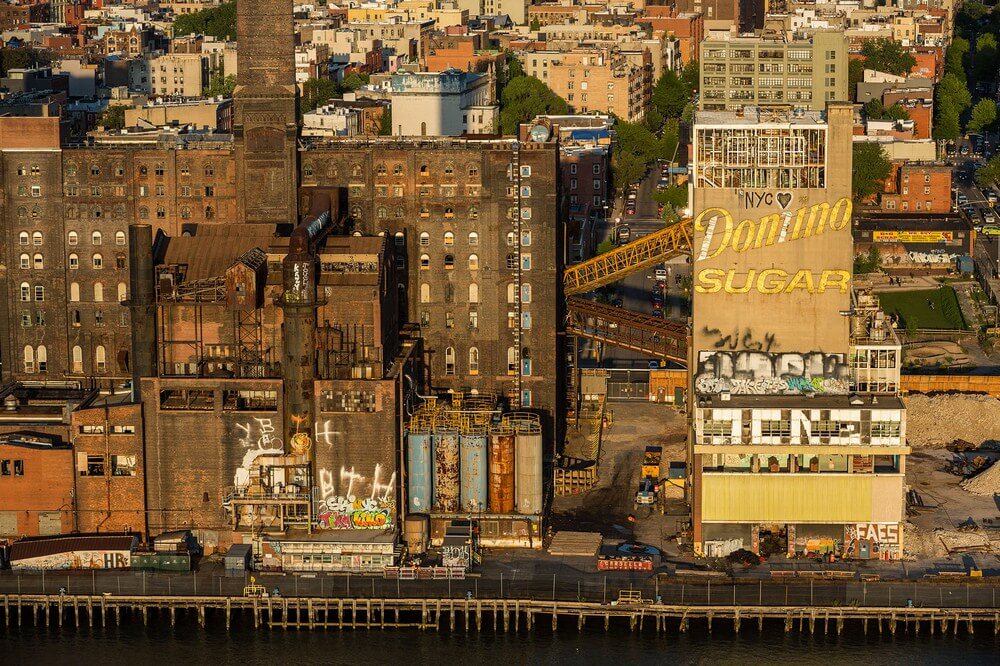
x,y
419,469
474,478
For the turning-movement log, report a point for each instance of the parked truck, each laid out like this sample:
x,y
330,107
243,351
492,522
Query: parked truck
x,y
649,478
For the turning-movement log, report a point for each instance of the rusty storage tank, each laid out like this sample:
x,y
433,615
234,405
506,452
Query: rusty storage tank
x,y
417,533
528,465
473,453
419,465
446,466
501,471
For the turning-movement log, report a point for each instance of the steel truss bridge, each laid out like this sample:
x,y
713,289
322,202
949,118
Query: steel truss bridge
x,y
647,334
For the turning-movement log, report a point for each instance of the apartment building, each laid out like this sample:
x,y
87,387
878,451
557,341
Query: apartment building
x,y
596,80
449,103
179,75
773,69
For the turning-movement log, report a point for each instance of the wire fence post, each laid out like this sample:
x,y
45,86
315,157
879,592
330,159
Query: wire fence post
x,y
760,593
553,587
501,585
811,592
709,592
605,589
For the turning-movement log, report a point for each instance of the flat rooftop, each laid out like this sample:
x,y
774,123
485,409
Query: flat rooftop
x,y
818,401
757,115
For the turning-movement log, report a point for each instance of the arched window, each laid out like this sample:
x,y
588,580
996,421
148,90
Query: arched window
x,y
473,292
399,238
38,261
29,358
98,292
425,262
425,238
161,212
511,262
143,213
209,213
119,238
381,212
209,170
77,359
425,292
122,292
24,261
74,292
449,238
22,238
307,170
100,359
42,356
511,361
185,213
449,360
98,261
381,170
449,212
473,360
25,291
143,170
74,262
96,238
397,170
449,262
473,238
424,211
36,238
512,293
72,238
356,212
399,212
473,262
424,171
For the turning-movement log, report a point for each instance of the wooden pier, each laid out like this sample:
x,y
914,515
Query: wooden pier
x,y
496,615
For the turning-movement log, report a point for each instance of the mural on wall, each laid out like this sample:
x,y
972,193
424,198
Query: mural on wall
x,y
78,559
763,373
871,540
350,500
258,437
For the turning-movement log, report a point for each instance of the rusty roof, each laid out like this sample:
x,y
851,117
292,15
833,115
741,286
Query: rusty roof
x,y
41,546
210,257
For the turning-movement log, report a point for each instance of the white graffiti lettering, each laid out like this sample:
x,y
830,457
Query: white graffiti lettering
x,y
762,373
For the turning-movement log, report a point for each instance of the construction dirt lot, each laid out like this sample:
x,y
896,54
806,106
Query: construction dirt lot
x,y
606,507
956,518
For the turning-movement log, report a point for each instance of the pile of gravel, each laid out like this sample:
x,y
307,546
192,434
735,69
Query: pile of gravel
x,y
987,482
936,421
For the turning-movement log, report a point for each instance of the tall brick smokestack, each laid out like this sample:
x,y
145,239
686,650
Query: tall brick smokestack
x,y
142,304
264,110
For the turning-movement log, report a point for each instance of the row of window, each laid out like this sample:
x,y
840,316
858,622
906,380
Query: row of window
x,y
397,170
11,468
37,261
158,170
73,238
573,167
573,183
451,366
36,359
449,262
96,464
74,292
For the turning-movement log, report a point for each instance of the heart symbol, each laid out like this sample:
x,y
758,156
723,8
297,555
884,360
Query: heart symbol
x,y
784,198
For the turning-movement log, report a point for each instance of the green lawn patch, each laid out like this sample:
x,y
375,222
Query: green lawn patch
x,y
914,309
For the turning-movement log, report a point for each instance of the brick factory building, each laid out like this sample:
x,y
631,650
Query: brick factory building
x,y
163,258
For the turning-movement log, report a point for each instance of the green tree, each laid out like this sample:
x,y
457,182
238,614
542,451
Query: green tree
x,y
871,168
113,117
221,85
670,95
986,57
605,246
886,55
952,97
874,110
989,175
524,98
855,75
653,120
946,125
984,115
23,58
536,25
952,89
868,262
216,21
691,77
385,123
355,80
954,58
316,93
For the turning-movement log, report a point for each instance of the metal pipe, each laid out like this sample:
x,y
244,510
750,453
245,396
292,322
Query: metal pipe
x,y
142,302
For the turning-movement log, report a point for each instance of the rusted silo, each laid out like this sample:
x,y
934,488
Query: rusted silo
x,y
446,470
416,533
419,465
474,471
502,471
528,465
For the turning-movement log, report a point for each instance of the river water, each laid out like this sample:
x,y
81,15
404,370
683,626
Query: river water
x,y
187,644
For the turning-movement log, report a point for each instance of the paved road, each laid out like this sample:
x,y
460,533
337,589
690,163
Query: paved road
x,y
565,584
